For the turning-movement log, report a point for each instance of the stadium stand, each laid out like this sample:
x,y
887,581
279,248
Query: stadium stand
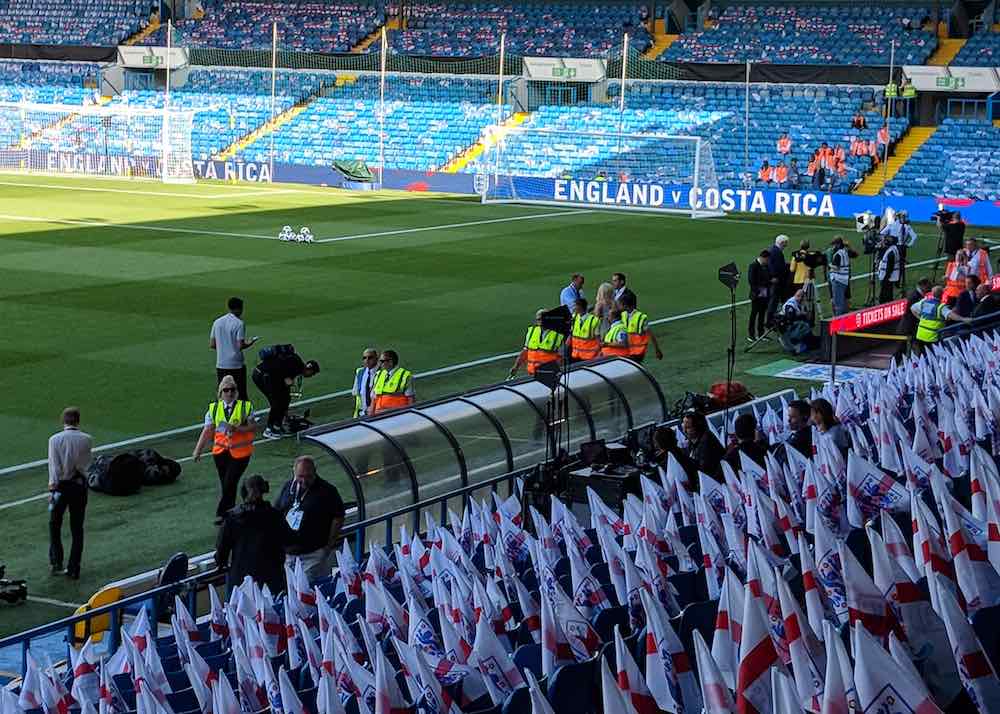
x,y
811,115
429,121
303,26
72,22
982,49
849,34
534,29
961,160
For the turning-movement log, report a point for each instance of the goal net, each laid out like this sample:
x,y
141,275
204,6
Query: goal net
x,y
606,170
94,140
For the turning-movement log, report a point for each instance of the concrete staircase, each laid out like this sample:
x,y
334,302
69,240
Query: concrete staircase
x,y
908,145
153,26
946,50
484,143
280,120
369,40
661,40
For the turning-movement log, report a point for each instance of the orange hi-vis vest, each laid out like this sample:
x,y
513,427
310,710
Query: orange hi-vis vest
x,y
781,174
638,336
883,135
611,346
953,286
784,145
541,347
585,342
982,266
764,174
389,391
239,444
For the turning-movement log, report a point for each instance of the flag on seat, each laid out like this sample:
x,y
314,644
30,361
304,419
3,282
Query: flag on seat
x,y
714,691
882,684
668,668
758,659
488,656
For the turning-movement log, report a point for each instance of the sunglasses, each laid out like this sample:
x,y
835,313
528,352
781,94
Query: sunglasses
x,y
228,389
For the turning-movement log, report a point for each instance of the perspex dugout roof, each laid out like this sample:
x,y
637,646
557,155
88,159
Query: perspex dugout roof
x,y
409,455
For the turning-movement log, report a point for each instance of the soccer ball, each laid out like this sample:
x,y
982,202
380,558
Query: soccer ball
x,y
286,234
305,235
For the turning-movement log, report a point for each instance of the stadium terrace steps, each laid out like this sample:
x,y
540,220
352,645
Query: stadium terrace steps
x,y
153,26
660,44
484,143
276,123
367,41
907,146
946,50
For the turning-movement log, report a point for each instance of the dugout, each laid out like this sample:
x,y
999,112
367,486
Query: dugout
x,y
407,456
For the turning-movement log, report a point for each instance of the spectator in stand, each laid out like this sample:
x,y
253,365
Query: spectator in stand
x,y
781,175
784,144
979,260
838,154
830,428
812,169
759,280
765,175
874,152
883,135
967,299
800,437
702,454
841,181
252,539
794,178
858,121
988,301
315,513
746,439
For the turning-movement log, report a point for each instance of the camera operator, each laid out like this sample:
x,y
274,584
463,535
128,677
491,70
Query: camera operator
x,y
979,260
952,229
905,236
794,326
888,269
840,273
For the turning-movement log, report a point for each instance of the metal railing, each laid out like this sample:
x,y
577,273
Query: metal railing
x,y
189,588
977,324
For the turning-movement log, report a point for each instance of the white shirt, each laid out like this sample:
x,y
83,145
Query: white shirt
x,y
902,232
69,454
364,388
228,332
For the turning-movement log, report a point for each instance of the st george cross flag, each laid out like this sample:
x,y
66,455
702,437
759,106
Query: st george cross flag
x,y
436,700
898,547
870,490
758,658
838,682
865,603
223,699
139,632
421,633
828,570
668,668
388,697
612,699
290,702
555,646
784,697
55,698
807,653
588,595
8,702
714,690
728,628
488,656
979,582
881,683
328,699
86,681
313,655
583,640
974,668
201,678
816,610
539,704
630,680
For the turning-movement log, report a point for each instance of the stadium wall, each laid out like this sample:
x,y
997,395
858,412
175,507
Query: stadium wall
x,y
610,194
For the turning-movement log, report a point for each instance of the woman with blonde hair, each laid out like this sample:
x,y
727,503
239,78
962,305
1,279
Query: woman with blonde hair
x,y
603,304
229,422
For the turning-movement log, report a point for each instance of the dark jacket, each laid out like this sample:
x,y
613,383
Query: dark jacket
x,y
802,441
705,456
252,542
908,323
777,264
966,303
759,280
988,305
754,449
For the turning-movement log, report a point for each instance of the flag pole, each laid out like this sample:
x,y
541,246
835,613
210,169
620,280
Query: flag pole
x,y
274,82
381,113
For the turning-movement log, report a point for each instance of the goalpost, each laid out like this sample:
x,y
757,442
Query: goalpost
x,y
114,140
651,172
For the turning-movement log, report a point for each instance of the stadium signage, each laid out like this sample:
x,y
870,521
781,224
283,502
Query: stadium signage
x,y
101,165
651,195
868,317
251,171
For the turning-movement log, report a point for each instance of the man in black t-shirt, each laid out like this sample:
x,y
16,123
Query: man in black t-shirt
x,y
274,377
314,511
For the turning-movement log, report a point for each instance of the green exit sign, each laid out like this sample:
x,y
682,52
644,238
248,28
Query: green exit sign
x,y
564,72
950,82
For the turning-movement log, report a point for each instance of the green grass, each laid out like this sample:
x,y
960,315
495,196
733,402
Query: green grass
x,y
115,319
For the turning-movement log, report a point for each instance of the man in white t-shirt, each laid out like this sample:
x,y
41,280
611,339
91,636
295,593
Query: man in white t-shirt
x,y
228,339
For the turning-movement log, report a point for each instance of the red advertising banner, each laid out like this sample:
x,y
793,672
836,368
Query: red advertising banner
x,y
868,317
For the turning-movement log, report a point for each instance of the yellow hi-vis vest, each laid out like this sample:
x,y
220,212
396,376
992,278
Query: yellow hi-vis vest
x,y
239,444
931,320
638,337
612,347
389,392
542,346
585,343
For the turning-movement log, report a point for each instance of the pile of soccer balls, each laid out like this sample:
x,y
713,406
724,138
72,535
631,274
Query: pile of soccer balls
x,y
289,236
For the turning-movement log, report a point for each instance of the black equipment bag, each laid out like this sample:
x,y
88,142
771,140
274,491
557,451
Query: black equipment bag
x,y
121,475
157,470
275,351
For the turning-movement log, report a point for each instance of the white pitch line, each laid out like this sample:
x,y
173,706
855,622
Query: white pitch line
x,y
57,603
343,393
403,231
131,226
137,192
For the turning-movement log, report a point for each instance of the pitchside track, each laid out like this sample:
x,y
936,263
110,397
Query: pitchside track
x,y
108,289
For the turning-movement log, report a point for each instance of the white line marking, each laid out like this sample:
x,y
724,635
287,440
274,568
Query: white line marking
x,y
172,194
57,603
29,499
403,231
343,393
131,226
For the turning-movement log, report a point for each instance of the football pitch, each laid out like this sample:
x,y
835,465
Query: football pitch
x,y
108,289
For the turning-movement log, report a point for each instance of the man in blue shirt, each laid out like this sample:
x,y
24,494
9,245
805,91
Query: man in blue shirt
x,y
572,292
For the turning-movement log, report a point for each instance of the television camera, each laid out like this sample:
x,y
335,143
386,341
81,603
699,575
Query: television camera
x,y
868,225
